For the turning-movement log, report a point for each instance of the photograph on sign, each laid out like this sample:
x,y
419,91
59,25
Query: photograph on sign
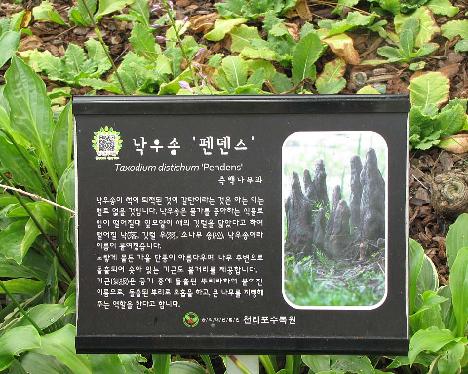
x,y
334,219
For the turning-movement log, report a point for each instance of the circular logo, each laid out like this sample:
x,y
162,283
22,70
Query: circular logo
x,y
191,319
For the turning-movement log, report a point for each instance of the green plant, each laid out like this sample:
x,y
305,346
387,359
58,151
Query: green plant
x,y
428,125
253,9
406,51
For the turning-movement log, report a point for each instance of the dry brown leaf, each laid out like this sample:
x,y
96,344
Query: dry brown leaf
x,y
342,45
455,143
303,11
203,23
30,42
293,30
26,19
450,70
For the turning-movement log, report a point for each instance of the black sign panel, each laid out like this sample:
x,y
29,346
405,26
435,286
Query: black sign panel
x,y
242,224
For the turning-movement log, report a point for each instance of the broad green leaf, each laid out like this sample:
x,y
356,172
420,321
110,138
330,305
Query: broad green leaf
x,y
428,27
242,37
15,341
61,344
353,364
97,54
459,290
161,363
457,238
253,9
44,315
342,4
449,362
141,9
111,6
392,6
103,364
431,339
235,71
79,14
317,363
429,312
22,286
9,42
305,55
331,80
393,54
409,31
143,42
186,367
428,91
416,259
16,239
22,165
35,363
222,27
455,28
442,7
30,107
461,46
352,20
47,13
62,141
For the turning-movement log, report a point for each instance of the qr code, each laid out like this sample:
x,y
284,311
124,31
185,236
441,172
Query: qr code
x,y
107,143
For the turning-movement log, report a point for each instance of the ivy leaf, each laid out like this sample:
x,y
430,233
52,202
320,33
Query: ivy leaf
x,y
331,80
442,7
428,91
110,6
222,27
306,53
9,42
15,341
46,12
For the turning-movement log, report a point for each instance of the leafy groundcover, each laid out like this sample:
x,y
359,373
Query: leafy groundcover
x,y
50,50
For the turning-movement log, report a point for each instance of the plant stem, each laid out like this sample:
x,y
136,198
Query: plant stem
x,y
179,41
20,308
239,364
267,364
209,365
36,197
104,46
39,227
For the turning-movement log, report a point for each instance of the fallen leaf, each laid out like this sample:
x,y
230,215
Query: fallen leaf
x,y
26,19
293,30
203,23
450,70
30,42
455,143
303,11
343,46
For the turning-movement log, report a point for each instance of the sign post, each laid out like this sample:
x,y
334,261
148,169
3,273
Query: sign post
x,y
242,225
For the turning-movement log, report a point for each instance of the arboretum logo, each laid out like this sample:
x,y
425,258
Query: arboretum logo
x,y
191,319
107,143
